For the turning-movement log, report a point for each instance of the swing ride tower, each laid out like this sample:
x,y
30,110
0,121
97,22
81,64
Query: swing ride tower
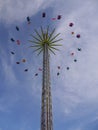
x,y
45,41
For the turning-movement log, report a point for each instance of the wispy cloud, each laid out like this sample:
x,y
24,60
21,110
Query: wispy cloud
x,y
7,70
79,84
12,10
75,91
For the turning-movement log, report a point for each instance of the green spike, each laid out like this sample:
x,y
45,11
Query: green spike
x,y
40,51
37,49
34,42
47,33
52,51
55,45
35,46
35,38
54,37
54,48
42,32
38,34
51,34
44,38
56,41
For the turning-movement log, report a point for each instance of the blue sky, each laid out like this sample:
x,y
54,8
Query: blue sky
x,y
74,91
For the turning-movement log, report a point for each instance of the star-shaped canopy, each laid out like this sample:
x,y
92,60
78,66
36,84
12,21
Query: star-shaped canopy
x,y
45,37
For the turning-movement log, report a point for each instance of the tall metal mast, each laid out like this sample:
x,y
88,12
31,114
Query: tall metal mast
x,y
45,42
46,109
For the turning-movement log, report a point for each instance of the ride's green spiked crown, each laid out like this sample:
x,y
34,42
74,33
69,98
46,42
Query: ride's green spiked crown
x,y
45,37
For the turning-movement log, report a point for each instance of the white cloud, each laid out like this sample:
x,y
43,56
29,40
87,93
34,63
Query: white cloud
x,y
17,10
79,85
7,69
